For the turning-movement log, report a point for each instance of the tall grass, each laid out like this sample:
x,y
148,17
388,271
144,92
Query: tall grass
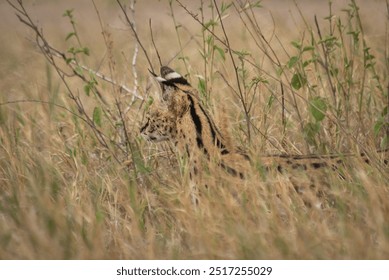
x,y
78,182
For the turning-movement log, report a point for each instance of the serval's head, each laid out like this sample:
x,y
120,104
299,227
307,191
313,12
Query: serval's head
x,y
159,126
171,83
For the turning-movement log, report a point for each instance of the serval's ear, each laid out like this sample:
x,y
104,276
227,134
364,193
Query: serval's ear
x,y
172,76
169,76
167,86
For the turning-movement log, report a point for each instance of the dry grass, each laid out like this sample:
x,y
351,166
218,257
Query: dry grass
x,y
64,195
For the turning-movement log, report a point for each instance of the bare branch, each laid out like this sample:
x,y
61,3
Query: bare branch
x,y
135,55
130,23
109,80
155,47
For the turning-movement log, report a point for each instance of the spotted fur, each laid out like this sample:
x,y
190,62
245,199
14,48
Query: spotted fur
x,y
159,126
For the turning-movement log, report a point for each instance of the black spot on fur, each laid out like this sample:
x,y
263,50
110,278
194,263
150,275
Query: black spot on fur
x,y
187,150
317,165
232,171
195,171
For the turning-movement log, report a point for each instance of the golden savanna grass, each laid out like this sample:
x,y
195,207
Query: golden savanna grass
x,y
66,194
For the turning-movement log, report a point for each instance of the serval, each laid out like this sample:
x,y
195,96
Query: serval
x,y
186,123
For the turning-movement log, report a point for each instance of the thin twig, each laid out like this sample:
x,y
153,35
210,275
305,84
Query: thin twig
x,y
266,43
135,55
155,47
124,130
108,44
176,26
183,47
241,95
135,33
326,68
109,80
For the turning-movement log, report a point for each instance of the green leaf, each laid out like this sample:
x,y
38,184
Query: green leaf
x,y
309,61
241,54
296,44
86,51
97,116
72,50
84,158
355,35
334,71
210,40
203,55
329,41
308,48
99,216
260,80
292,61
256,4
75,51
87,89
279,71
220,51
71,34
78,71
225,7
201,86
183,58
256,80
298,81
377,127
139,162
385,111
380,124
68,13
318,108
270,100
150,101
384,142
310,130
69,60
209,24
